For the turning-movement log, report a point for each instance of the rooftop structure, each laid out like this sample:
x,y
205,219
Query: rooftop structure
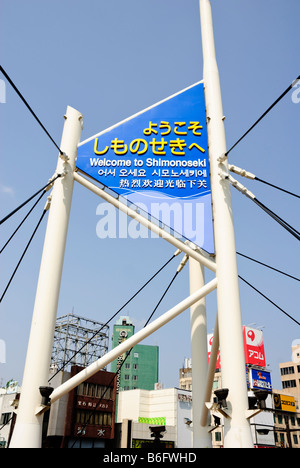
x,y
78,341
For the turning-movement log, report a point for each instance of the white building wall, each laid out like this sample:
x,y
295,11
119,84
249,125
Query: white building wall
x,y
7,405
263,420
58,411
157,403
184,430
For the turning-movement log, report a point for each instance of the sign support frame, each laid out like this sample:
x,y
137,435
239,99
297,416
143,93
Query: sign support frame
x,y
28,428
237,431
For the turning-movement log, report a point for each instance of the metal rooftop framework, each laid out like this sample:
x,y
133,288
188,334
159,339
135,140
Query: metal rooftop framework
x,y
78,341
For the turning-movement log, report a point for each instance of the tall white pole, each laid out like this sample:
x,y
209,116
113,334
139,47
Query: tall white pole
x,y
28,429
201,437
237,433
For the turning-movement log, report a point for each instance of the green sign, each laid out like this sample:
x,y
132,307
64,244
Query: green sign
x,y
153,421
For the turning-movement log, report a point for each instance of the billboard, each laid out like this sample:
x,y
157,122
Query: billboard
x,y
260,379
209,345
253,347
284,402
158,160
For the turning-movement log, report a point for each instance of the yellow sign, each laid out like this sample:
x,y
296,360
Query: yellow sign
x,y
285,402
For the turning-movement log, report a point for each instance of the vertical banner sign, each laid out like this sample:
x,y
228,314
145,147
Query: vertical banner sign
x,y
209,346
254,347
158,160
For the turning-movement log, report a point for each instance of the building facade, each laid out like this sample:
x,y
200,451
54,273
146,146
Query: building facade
x,y
139,366
168,408
287,402
258,378
9,398
85,417
290,372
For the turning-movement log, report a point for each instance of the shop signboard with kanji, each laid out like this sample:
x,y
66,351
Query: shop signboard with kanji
x,y
158,160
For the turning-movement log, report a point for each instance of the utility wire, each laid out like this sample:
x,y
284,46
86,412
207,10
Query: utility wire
x,y
268,266
263,115
122,363
273,303
23,254
28,107
29,199
113,316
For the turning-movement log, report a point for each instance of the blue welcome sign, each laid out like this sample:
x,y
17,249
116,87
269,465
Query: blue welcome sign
x,y
158,160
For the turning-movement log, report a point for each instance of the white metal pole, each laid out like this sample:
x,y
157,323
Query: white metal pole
x,y
201,437
210,374
237,431
132,341
28,429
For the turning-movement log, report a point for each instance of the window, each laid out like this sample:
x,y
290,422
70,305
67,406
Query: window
x,y
135,366
293,421
5,417
287,370
126,377
289,384
295,439
135,355
98,418
134,377
218,436
216,384
279,418
95,390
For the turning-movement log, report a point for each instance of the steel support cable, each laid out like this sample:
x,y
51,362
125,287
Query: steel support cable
x,y
23,254
237,185
122,363
276,187
30,198
157,305
268,266
279,220
22,222
249,175
263,115
113,316
28,107
273,303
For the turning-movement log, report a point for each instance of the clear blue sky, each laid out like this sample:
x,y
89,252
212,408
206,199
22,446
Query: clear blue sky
x,y
110,60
